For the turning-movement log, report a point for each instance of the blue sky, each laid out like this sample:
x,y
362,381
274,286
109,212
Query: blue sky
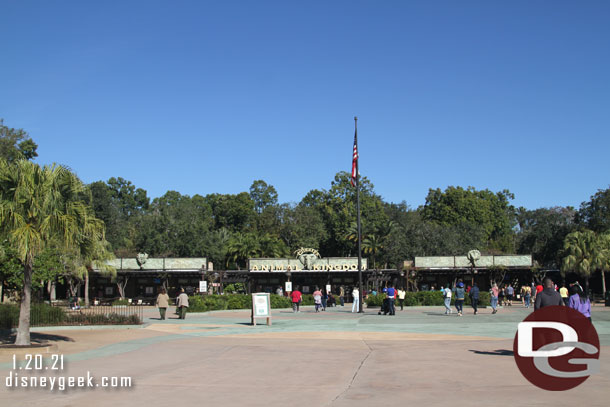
x,y
202,97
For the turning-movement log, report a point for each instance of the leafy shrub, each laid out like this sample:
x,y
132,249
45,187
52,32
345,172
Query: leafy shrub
x,y
237,301
429,298
102,319
47,315
307,299
375,300
214,302
122,301
278,301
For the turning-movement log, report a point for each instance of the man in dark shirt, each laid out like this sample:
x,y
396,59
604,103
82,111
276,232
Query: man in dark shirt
x,y
548,296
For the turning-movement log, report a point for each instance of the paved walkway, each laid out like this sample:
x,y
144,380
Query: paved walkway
x,y
333,358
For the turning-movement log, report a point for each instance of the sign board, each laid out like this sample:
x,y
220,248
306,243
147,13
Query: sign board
x,y
288,286
203,286
328,287
261,307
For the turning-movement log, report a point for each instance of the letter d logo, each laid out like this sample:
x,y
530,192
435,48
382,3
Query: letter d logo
x,y
556,348
526,339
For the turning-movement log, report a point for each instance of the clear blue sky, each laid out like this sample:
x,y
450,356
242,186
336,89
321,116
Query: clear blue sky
x,y
203,97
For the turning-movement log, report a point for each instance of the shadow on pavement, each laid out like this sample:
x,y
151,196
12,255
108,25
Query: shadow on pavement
x,y
499,352
36,337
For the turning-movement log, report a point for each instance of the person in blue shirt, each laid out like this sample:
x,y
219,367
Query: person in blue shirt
x,y
391,299
474,297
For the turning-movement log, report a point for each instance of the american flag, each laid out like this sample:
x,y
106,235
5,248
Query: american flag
x,y
353,180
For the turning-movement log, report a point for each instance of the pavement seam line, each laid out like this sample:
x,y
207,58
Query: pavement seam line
x,y
349,386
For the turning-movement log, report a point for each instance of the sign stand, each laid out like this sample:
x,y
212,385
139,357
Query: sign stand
x,y
261,307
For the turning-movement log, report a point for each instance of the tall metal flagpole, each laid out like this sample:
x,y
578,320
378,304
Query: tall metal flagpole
x,y
361,294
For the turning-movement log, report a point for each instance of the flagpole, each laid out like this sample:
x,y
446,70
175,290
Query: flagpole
x,y
361,293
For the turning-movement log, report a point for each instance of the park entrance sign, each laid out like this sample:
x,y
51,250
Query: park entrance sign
x,y
306,260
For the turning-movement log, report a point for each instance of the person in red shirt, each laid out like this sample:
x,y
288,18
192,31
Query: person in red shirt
x,y
296,297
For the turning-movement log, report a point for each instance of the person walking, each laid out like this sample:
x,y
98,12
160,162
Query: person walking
x,y
317,299
460,293
563,291
474,297
548,296
527,296
494,298
296,298
356,303
447,297
401,297
510,292
324,299
182,303
392,299
342,296
162,302
579,301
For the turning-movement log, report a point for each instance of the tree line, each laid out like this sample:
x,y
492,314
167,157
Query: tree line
x,y
56,227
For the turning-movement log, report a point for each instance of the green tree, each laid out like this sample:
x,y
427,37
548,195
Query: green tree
x,y
595,214
470,208
242,246
15,144
175,225
39,205
120,205
234,212
263,195
581,254
302,226
542,233
601,257
337,207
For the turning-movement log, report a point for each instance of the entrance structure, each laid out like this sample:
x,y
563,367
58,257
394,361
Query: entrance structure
x,y
307,270
439,271
141,277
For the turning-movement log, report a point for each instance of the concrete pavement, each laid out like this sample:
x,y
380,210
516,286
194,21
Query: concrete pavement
x,y
333,358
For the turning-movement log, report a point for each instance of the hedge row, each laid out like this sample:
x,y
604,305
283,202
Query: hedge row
x,y
215,302
423,298
47,315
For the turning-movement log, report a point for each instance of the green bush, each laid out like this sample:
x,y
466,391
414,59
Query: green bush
x,y
239,301
102,319
428,298
307,299
374,300
214,302
278,301
122,301
47,315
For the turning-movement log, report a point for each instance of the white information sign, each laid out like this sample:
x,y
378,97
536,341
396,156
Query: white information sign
x,y
328,288
261,307
288,286
203,286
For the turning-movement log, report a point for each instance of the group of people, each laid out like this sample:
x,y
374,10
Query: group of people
x,y
323,299
182,303
574,297
460,292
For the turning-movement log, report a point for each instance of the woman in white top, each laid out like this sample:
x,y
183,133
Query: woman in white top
x,y
355,304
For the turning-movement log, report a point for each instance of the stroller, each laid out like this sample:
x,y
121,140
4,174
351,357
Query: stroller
x,y
385,307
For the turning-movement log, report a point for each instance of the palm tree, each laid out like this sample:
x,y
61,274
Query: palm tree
x,y
272,246
372,245
38,205
601,257
580,247
242,247
91,253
